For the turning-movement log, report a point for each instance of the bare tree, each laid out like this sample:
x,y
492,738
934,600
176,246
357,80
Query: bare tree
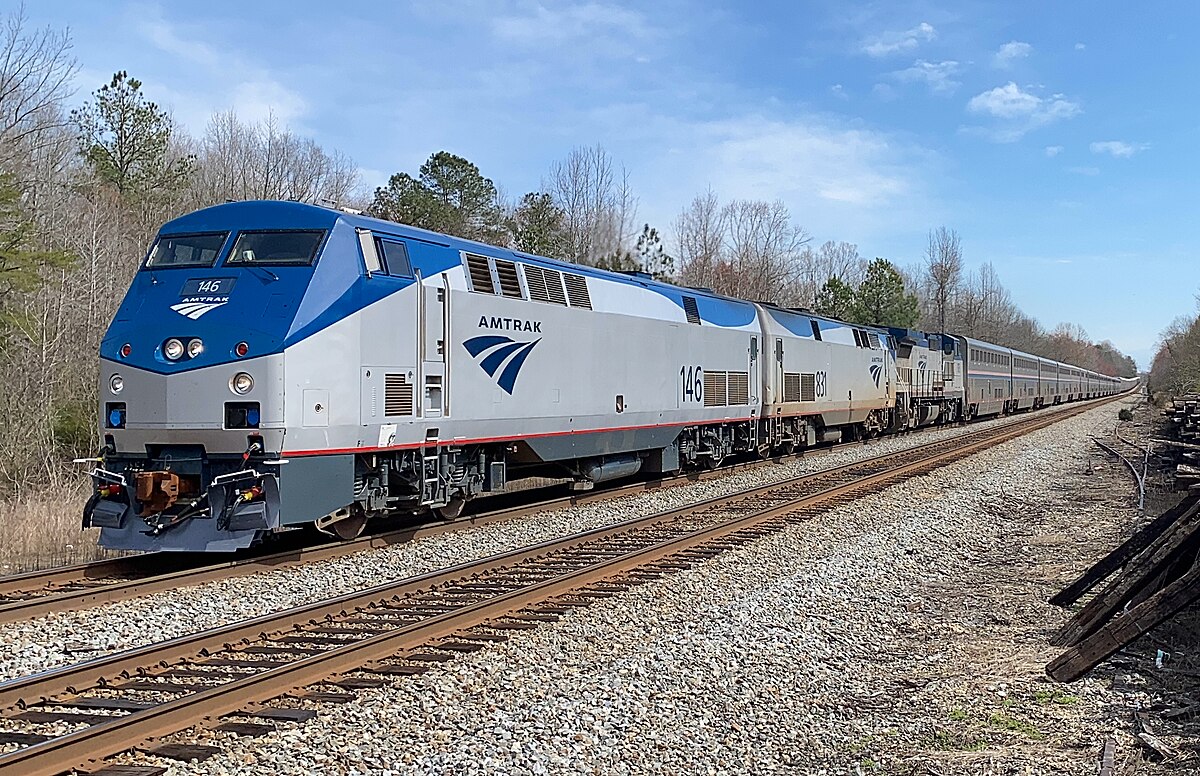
x,y
747,248
237,160
942,272
599,209
699,231
35,76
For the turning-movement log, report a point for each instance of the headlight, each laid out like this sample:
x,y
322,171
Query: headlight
x,y
241,383
116,383
195,347
173,349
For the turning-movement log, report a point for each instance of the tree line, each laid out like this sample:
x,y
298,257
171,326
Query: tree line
x,y
1175,370
84,185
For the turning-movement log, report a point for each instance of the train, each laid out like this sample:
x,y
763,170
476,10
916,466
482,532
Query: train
x,y
276,365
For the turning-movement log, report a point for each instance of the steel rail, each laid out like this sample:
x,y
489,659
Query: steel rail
x,y
120,733
80,586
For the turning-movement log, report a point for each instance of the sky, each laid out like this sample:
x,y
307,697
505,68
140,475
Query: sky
x,y
1058,139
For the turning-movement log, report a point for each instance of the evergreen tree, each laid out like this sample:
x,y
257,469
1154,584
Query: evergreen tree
x,y
450,195
881,299
22,259
126,140
537,226
836,299
652,256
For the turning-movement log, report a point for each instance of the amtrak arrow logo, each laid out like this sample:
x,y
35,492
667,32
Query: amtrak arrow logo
x,y
194,310
497,351
876,371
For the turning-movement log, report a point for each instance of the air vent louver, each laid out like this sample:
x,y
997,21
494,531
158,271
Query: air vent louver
x,y
481,274
739,388
510,285
714,389
791,386
808,387
577,291
554,287
691,310
397,395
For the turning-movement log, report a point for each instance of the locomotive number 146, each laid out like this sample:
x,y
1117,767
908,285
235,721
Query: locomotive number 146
x,y
691,379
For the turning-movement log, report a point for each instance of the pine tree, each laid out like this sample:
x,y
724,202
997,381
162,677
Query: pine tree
x,y
881,299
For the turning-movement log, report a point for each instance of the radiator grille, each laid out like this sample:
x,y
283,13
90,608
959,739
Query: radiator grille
x,y
739,388
545,285
873,338
791,386
554,287
577,291
481,274
397,395
510,285
714,389
536,282
808,387
691,310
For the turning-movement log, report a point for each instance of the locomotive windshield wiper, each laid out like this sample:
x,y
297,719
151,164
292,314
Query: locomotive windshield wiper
x,y
264,269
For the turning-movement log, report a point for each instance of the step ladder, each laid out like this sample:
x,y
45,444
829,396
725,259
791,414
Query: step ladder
x,y
430,469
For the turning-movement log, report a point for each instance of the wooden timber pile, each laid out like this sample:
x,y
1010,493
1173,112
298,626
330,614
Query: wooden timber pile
x,y
1153,575
1181,446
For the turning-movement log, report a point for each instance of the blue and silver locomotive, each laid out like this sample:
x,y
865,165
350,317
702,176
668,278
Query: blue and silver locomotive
x,y
278,364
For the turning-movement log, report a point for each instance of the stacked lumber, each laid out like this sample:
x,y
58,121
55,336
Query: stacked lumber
x,y
1150,577
1181,445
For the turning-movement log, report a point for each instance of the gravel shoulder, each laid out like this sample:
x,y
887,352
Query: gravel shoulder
x,y
902,634
69,637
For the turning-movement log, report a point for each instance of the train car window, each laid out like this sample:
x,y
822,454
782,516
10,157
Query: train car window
x,y
816,331
291,247
186,250
395,258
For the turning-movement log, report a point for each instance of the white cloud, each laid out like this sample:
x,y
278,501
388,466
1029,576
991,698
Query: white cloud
x,y
802,160
884,92
1053,151
1090,171
1080,46
839,91
560,25
1019,111
938,76
1118,149
249,89
888,43
1012,51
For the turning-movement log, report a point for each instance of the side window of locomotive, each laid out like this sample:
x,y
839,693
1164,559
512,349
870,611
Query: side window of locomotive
x,y
186,250
395,259
297,248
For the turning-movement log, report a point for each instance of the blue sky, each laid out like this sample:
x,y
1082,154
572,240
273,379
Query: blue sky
x,y
1059,139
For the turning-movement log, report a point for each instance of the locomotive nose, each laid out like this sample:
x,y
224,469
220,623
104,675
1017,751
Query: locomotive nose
x,y
215,406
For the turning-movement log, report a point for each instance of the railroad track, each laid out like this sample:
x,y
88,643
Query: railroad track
x,y
73,588
241,676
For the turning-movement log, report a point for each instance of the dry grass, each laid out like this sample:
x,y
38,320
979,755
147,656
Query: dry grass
x,y
42,530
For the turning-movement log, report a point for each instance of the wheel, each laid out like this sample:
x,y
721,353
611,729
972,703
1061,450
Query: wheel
x,y
350,527
451,511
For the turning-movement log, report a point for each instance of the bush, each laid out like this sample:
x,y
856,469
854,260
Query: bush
x,y
1125,415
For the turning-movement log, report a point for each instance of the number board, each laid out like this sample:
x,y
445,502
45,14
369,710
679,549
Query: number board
x,y
208,287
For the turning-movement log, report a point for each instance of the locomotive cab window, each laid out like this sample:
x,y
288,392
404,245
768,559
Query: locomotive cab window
x,y
186,250
277,248
394,256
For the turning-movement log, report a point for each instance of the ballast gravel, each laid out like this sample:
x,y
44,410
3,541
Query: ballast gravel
x,y
902,634
58,639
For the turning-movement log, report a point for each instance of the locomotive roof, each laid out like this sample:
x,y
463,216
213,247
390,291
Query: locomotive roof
x,y
284,214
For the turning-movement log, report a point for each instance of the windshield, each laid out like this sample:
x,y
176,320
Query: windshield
x,y
186,250
275,248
